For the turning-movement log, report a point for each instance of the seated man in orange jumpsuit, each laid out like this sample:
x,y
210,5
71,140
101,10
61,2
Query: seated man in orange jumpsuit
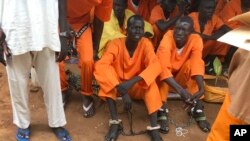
x,y
210,27
79,17
128,68
163,16
180,55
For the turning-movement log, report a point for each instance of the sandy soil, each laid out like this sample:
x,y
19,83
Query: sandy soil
x,y
94,129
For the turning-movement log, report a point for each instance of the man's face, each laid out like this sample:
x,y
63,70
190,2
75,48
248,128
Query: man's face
x,y
168,5
181,32
135,29
119,7
206,9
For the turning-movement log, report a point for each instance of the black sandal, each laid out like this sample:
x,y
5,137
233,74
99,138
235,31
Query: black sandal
x,y
162,117
115,129
154,133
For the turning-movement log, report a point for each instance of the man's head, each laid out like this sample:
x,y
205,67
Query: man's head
x,y
168,5
183,28
119,7
135,28
206,8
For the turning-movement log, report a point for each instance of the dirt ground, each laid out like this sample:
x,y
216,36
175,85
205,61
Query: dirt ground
x,y
94,129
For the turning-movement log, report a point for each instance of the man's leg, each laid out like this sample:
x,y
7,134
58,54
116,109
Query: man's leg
x,y
50,83
18,70
64,83
86,63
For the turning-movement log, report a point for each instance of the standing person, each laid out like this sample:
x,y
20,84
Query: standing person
x,y
131,67
79,17
33,41
180,54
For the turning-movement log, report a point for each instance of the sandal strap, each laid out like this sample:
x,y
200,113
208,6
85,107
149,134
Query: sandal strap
x,y
150,128
163,118
164,110
114,121
200,118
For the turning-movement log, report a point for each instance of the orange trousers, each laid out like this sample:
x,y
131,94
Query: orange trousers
x,y
215,48
84,47
221,128
183,78
151,96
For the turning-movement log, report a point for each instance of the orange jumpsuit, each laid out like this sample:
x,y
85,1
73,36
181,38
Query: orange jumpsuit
x,y
117,66
181,66
210,47
230,10
79,14
158,14
220,4
144,8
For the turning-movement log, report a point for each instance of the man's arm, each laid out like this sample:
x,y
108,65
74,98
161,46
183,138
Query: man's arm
x,y
164,25
97,34
224,29
179,89
64,27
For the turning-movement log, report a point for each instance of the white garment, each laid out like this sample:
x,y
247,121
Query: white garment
x,y
30,25
18,69
31,28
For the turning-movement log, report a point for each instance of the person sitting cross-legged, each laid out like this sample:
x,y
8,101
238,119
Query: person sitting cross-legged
x,y
180,54
129,68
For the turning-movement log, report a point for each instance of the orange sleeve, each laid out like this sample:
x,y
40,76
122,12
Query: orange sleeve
x,y
156,14
103,10
217,22
196,61
151,62
164,55
105,73
230,10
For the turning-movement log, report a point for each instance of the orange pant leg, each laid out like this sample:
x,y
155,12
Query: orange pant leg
x,y
183,78
63,78
151,96
215,48
84,47
221,127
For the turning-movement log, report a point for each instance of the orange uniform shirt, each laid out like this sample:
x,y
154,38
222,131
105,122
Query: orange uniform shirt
x,y
156,15
79,11
212,25
230,10
172,62
116,65
144,8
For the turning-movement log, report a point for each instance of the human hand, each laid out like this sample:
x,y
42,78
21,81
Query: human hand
x,y
64,50
125,86
4,50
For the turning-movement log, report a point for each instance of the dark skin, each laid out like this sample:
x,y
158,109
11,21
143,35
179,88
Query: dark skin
x,y
135,32
182,31
168,7
119,7
206,11
64,26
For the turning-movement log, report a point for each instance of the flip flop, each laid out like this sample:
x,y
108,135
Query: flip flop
x,y
89,111
154,134
61,133
23,134
113,134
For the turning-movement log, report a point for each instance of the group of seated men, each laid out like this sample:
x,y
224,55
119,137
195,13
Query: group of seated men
x,y
150,48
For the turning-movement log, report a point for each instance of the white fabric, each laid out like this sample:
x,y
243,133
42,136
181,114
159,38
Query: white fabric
x,y
18,69
179,51
30,25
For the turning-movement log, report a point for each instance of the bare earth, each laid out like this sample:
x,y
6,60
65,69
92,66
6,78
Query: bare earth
x,y
95,128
